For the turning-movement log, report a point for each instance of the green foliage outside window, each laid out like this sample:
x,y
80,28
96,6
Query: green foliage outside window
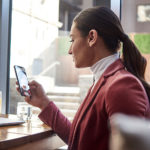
x,y
142,41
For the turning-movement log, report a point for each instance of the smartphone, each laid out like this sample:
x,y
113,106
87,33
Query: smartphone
x,y
22,80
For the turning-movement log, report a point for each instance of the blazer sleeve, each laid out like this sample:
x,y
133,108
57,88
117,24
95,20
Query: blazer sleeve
x,y
126,95
52,116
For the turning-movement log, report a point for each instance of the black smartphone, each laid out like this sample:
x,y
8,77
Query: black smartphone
x,y
22,80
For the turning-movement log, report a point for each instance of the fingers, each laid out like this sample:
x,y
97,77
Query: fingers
x,y
17,88
28,99
35,86
24,87
34,83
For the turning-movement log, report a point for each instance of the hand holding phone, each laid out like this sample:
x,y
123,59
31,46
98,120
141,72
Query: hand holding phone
x,y
22,80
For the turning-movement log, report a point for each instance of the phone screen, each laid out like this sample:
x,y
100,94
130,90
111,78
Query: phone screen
x,y
22,80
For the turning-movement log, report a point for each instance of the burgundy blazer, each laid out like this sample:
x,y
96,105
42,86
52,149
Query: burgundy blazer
x,y
117,91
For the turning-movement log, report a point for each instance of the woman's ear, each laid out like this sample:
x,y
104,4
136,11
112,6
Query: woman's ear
x,y
92,37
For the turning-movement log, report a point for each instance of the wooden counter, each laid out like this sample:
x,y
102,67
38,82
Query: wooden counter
x,y
30,135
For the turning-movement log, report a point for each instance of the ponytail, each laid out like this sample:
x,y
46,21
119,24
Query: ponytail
x,y
134,61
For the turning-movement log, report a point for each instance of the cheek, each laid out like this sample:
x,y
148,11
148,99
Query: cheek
x,y
75,48
79,48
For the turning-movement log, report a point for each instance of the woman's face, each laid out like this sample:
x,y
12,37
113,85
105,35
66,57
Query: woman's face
x,y
79,49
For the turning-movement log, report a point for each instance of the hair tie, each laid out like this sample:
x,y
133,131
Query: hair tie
x,y
125,37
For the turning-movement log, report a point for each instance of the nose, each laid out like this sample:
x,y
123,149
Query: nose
x,y
70,51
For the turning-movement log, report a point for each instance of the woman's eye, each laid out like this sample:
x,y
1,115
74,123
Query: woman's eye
x,y
71,40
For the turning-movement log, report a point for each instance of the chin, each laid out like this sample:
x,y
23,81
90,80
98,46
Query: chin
x,y
80,66
77,65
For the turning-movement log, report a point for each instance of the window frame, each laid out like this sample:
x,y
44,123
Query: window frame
x,y
5,38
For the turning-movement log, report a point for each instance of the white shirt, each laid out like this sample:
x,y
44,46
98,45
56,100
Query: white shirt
x,y
99,67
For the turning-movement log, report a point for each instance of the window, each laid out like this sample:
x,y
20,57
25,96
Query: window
x,y
34,43
143,13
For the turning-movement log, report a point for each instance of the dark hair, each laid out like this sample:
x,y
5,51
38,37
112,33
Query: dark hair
x,y
109,28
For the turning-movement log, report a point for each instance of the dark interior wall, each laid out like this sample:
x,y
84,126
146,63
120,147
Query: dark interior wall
x,y
129,16
101,2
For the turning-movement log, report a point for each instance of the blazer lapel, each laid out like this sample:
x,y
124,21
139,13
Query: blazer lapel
x,y
87,102
74,123
91,98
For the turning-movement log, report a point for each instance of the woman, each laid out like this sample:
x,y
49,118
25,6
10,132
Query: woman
x,y
119,87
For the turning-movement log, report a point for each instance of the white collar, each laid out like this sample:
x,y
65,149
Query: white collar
x,y
100,66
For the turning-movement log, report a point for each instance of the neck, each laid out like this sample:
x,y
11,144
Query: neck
x,y
101,53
